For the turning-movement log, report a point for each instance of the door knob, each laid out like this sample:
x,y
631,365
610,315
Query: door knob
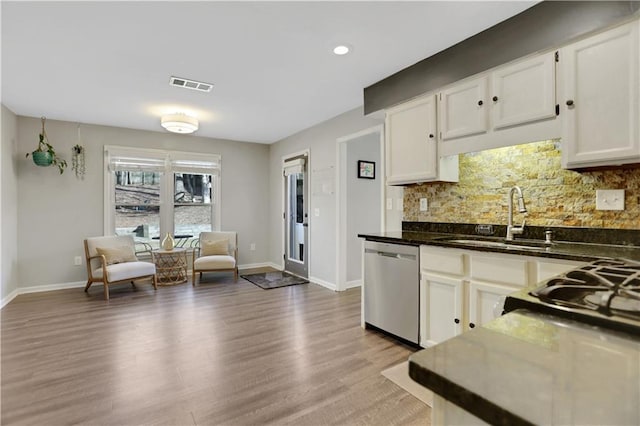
x,y
480,103
431,135
495,99
457,321
570,102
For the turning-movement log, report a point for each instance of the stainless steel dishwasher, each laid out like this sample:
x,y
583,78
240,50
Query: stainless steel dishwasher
x,y
391,288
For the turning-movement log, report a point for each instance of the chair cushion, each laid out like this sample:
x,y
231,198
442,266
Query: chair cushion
x,y
117,254
126,270
214,262
214,248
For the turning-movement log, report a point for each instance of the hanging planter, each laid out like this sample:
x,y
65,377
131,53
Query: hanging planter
x,y
77,158
42,158
45,155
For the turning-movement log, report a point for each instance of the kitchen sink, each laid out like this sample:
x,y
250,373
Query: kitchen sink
x,y
515,245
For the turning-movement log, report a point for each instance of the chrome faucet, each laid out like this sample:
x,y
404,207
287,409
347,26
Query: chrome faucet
x,y
515,230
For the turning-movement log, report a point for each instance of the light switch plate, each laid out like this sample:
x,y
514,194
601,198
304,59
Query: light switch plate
x,y
389,203
316,212
424,205
610,199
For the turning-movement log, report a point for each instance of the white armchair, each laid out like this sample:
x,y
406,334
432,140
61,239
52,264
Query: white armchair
x,y
112,260
216,251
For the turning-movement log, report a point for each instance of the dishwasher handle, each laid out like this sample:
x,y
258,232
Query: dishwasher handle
x,y
391,254
386,254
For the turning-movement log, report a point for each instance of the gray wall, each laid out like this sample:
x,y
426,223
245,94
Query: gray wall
x,y
363,200
56,212
9,203
321,140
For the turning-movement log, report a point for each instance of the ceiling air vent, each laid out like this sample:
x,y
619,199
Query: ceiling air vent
x,y
190,84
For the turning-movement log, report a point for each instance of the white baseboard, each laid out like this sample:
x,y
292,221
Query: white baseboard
x,y
51,287
323,283
41,288
275,266
9,298
77,284
353,284
258,265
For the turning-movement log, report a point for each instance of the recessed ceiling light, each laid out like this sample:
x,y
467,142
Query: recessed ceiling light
x,y
341,49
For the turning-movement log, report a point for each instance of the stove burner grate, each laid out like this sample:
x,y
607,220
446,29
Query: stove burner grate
x,y
611,287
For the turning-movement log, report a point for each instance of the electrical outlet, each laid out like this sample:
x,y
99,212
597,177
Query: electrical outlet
x,y
610,199
389,203
424,205
77,261
316,212
253,247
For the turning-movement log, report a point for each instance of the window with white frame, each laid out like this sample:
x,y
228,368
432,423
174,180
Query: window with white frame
x,y
149,193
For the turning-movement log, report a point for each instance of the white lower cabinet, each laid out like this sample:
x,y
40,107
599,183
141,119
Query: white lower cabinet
x,y
463,289
486,301
443,300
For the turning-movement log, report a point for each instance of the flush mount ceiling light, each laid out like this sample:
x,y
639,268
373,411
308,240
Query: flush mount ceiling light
x,y
341,50
179,123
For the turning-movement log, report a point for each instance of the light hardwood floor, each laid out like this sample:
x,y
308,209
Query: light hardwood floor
x,y
220,353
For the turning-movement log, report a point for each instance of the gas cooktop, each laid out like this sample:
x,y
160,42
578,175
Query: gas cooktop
x,y
605,293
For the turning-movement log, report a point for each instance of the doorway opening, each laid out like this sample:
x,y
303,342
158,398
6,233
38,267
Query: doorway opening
x,y
296,214
360,206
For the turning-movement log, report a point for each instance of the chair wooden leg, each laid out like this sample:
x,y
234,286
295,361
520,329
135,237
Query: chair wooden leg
x,y
155,282
235,274
86,288
193,278
106,291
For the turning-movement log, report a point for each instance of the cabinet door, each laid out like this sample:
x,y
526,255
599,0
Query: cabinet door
x,y
463,109
524,92
411,142
600,102
484,301
443,302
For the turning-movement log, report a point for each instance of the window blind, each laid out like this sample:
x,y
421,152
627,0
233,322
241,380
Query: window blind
x,y
292,167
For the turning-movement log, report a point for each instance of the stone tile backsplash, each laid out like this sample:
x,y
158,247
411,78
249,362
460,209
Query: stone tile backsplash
x,y
554,196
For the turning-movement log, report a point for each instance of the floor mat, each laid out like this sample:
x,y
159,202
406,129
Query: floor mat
x,y
399,375
269,280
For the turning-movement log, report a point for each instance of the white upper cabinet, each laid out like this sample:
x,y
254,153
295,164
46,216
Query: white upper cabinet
x,y
600,99
524,92
510,105
463,109
411,145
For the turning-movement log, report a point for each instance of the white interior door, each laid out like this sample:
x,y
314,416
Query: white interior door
x,y
296,215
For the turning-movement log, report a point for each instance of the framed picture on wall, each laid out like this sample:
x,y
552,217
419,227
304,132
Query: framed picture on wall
x,y
366,169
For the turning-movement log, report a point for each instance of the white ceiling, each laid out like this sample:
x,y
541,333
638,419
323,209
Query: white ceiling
x,y
271,63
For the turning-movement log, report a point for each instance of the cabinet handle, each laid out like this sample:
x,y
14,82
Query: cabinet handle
x,y
457,321
495,99
569,102
480,103
471,325
431,135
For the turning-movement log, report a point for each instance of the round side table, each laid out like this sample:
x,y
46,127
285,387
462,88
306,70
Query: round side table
x,y
171,265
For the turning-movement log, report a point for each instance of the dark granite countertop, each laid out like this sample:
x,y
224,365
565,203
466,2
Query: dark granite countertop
x,y
530,368
569,250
